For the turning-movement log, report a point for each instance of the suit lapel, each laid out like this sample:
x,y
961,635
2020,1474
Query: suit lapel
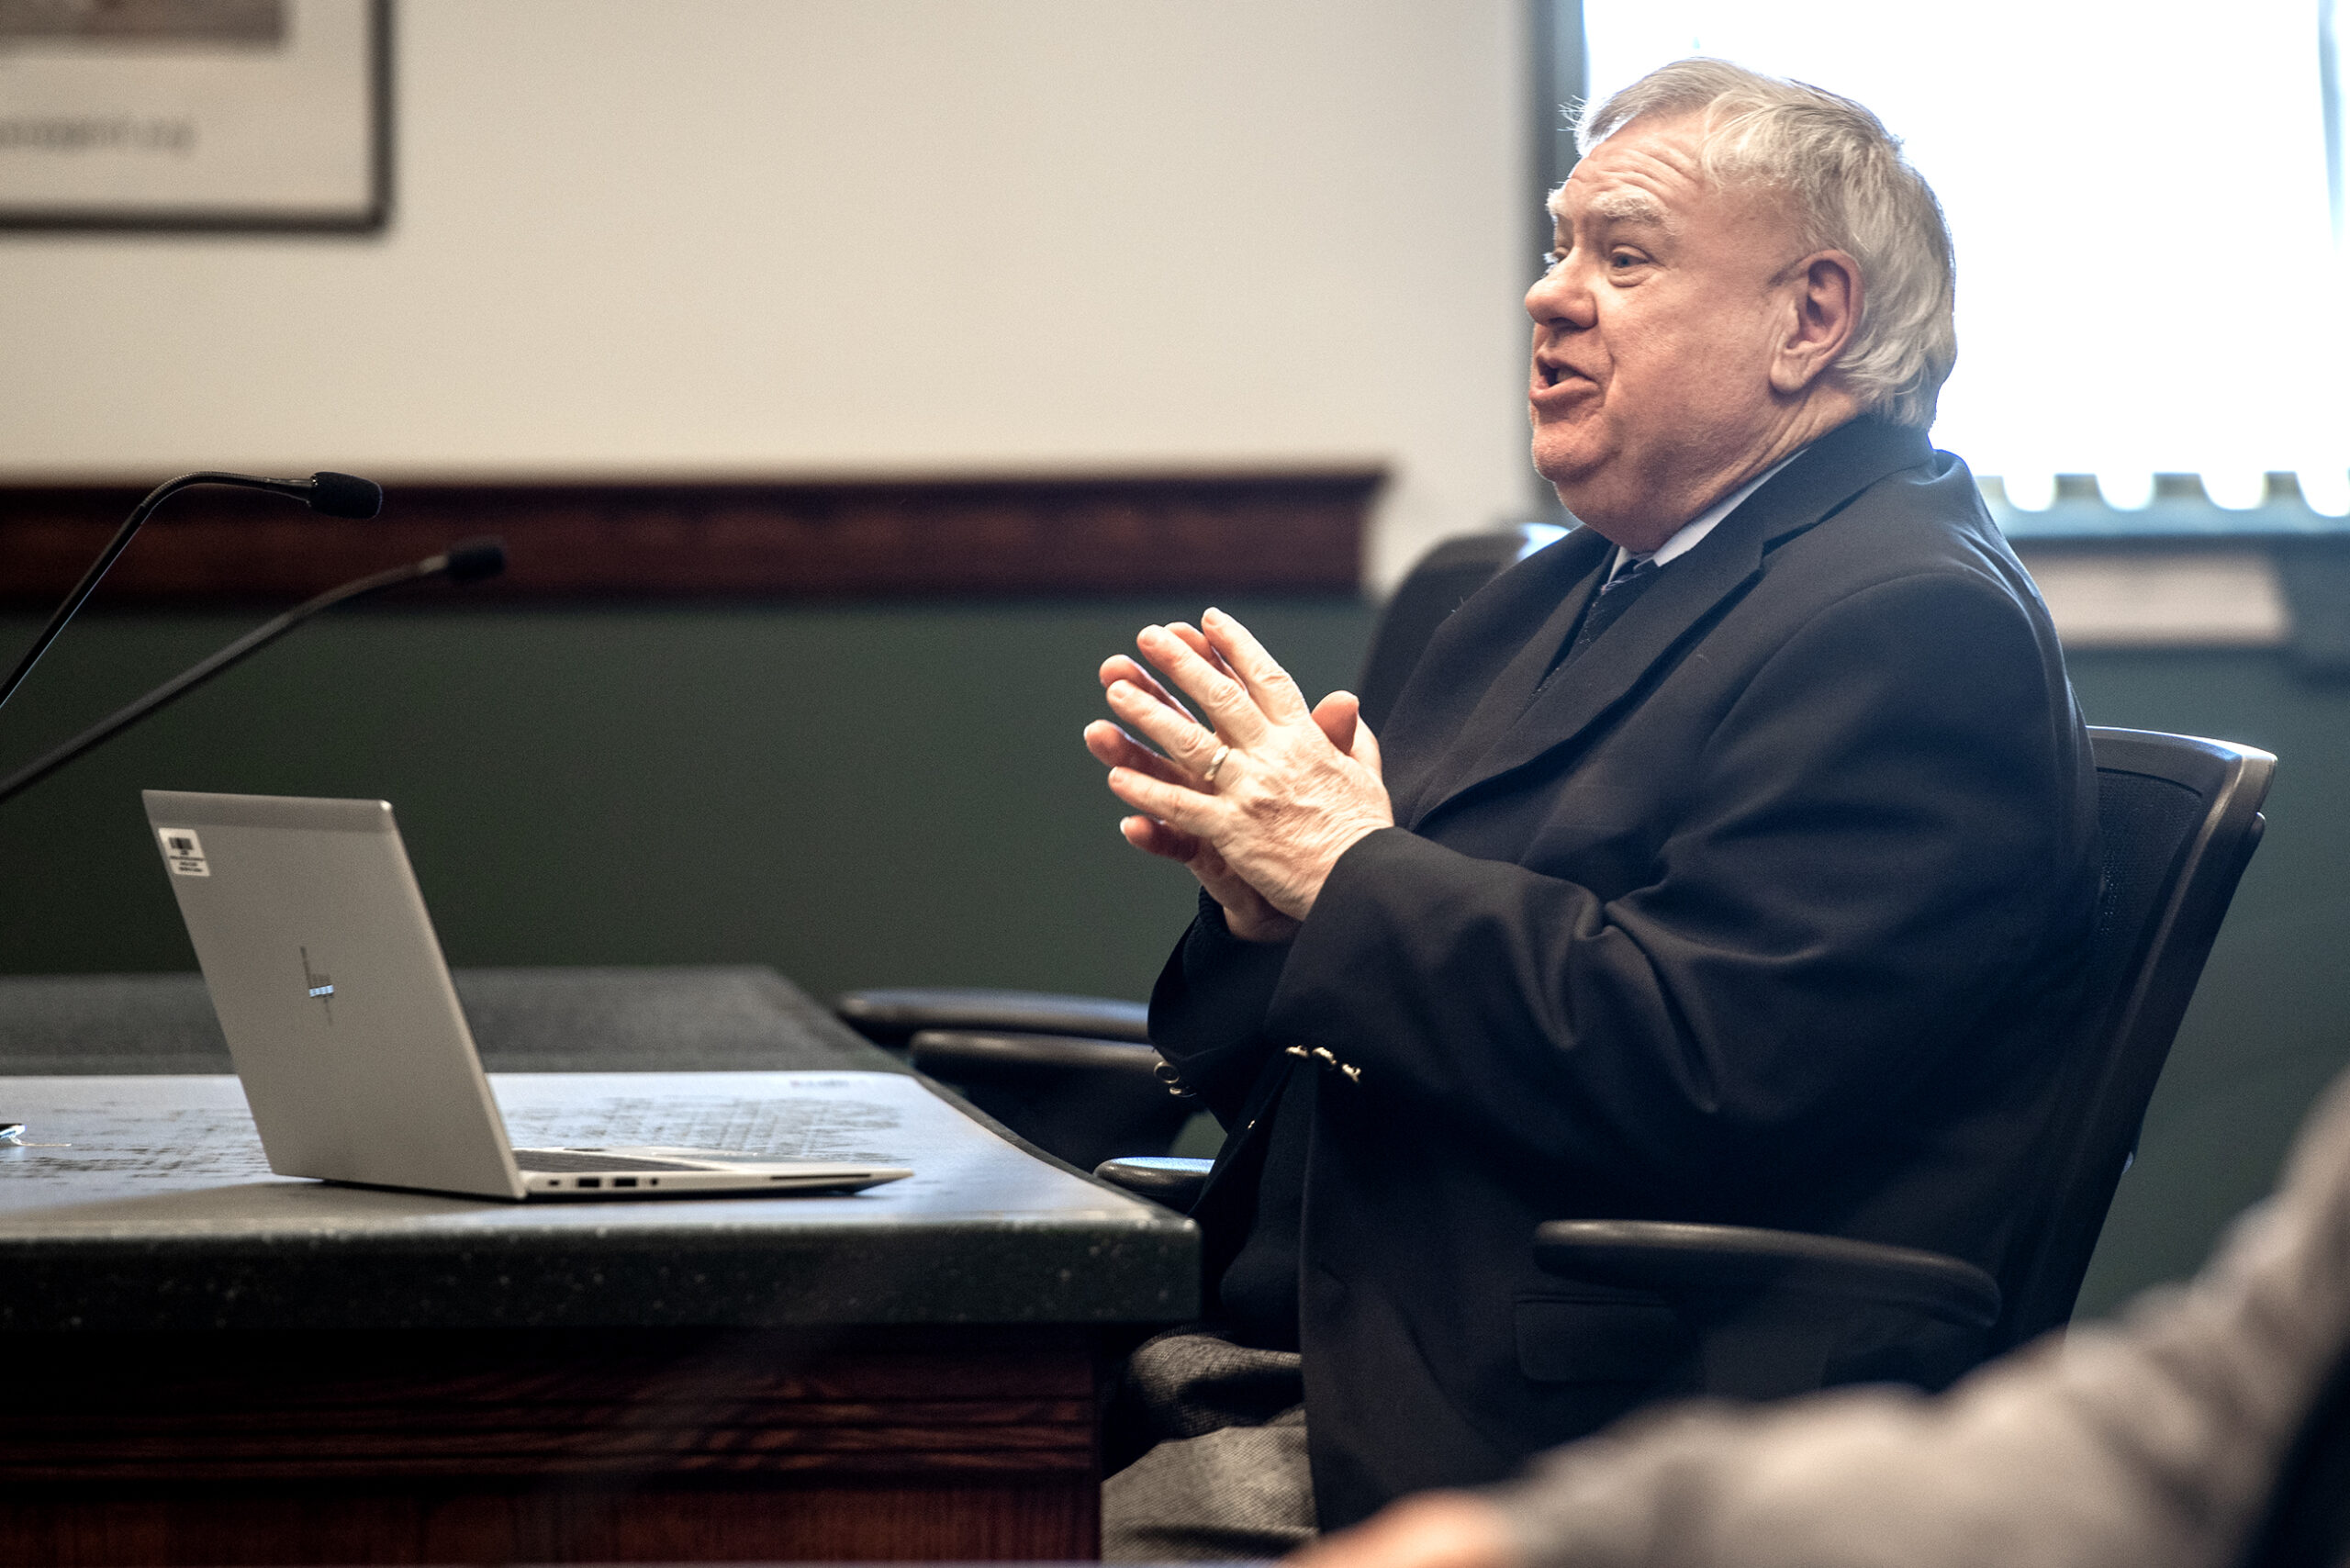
x,y
1519,720
1550,607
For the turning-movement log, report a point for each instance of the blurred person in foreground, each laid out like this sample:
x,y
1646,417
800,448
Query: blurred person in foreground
x,y
2154,1442
1731,860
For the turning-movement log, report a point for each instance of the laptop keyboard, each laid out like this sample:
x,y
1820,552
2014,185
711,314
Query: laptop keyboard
x,y
565,1160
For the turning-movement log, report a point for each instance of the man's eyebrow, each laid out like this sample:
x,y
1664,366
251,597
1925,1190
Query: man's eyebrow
x,y
1628,206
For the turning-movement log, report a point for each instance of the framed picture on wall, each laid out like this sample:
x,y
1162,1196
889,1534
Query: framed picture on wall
x,y
195,114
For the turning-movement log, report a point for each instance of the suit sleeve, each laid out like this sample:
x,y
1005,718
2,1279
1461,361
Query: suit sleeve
x,y
1857,862
1207,1012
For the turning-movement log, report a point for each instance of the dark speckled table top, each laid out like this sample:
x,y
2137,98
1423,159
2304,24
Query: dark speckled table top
x,y
140,1198
700,1018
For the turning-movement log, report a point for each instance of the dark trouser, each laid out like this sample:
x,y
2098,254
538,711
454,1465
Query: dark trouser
x,y
1223,1474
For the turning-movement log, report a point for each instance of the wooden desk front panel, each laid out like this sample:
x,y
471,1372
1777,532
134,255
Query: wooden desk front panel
x,y
574,1446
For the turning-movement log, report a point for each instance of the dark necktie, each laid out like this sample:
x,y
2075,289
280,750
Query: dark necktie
x,y
1615,597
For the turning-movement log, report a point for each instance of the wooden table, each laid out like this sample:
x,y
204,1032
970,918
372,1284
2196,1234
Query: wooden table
x,y
205,1363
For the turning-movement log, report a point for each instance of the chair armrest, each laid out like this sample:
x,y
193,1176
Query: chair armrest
x,y
1081,1100
1011,1057
1177,1183
891,1017
1687,1261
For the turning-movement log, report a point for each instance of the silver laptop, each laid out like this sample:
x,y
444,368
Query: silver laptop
x,y
347,1034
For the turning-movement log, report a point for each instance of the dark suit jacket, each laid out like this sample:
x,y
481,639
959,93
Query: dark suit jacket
x,y
1767,910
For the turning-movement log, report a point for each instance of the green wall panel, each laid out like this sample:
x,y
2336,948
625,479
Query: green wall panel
x,y
857,796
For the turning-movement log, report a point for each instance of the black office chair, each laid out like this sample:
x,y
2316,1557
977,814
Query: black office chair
x,y
1075,1075
1771,1311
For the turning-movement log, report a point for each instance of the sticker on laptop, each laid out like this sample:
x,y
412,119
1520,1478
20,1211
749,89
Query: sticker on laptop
x,y
182,852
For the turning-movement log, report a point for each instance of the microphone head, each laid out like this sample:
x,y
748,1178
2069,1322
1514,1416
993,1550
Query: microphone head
x,y
471,560
345,495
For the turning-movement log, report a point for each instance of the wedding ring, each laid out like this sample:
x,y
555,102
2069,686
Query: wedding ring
x,y
1214,763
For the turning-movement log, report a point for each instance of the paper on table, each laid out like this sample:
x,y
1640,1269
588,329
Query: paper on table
x,y
812,1116
135,1135
884,1117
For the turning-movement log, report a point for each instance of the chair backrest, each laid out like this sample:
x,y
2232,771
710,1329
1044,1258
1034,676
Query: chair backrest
x,y
2178,820
1432,589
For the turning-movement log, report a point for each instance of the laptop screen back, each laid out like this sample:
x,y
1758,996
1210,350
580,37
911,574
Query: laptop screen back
x,y
332,992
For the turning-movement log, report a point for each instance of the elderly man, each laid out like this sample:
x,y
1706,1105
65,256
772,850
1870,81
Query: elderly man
x,y
1730,860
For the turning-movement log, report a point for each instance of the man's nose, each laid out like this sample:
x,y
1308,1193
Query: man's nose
x,y
1561,296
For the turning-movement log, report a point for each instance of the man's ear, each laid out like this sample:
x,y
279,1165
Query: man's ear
x,y
1825,289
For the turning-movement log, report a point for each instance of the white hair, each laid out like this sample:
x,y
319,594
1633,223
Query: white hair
x,y
1853,191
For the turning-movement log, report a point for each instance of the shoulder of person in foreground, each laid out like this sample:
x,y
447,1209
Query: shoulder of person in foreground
x,y
2149,1443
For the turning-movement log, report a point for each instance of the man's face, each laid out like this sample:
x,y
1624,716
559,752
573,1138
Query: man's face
x,y
1655,335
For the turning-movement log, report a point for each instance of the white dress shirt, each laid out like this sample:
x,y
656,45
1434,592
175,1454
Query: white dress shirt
x,y
1686,537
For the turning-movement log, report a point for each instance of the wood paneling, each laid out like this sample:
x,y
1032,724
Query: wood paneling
x,y
1267,532
446,1523
557,1447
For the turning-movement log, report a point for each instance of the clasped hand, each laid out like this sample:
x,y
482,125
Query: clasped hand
x,y
1293,787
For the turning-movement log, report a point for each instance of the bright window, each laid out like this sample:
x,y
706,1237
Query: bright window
x,y
2146,211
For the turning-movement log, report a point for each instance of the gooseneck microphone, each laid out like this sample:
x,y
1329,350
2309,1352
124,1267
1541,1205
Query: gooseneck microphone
x,y
336,495
468,562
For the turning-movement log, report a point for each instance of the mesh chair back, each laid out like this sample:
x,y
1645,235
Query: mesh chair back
x,y
2177,818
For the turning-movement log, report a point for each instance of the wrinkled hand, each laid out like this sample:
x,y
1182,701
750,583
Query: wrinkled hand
x,y
1436,1529
1245,912
1297,787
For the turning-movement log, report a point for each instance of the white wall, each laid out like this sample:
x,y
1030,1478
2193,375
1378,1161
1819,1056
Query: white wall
x,y
793,236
